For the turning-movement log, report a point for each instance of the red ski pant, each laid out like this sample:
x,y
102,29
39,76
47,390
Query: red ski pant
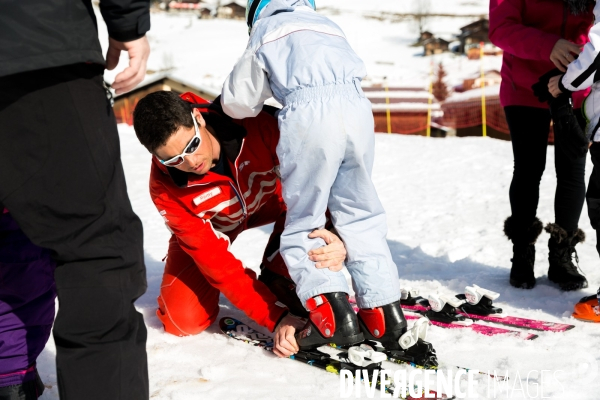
x,y
187,303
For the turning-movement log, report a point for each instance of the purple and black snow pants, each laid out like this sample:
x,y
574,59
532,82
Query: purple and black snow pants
x,y
27,293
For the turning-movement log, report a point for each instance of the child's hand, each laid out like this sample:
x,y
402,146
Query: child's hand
x,y
331,256
553,85
562,53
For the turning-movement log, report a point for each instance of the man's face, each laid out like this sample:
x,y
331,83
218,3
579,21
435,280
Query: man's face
x,y
202,160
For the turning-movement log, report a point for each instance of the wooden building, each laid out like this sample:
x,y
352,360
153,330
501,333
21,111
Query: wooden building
x,y
125,103
435,46
473,34
423,36
232,10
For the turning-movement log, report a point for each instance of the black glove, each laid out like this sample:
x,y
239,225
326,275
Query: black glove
x,y
540,89
568,135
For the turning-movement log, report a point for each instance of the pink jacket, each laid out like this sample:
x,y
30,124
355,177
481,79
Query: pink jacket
x,y
527,30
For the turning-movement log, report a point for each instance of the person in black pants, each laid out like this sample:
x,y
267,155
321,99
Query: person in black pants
x,y
62,180
538,37
529,130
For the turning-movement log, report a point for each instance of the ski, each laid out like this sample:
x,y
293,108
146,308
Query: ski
x,y
418,315
330,363
479,328
475,304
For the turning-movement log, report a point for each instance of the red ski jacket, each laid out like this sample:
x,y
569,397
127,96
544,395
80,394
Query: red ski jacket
x,y
207,212
527,30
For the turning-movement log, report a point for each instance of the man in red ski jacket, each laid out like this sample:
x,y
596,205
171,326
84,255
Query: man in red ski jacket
x,y
213,177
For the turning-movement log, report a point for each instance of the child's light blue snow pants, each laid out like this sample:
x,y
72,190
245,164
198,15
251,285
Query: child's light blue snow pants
x,y
326,158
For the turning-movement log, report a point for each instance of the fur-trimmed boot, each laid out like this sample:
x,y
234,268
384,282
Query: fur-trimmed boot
x,y
562,271
523,238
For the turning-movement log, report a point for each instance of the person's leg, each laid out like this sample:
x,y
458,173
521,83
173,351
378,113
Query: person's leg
x,y
593,193
357,212
27,293
310,151
588,308
187,303
359,218
63,182
274,272
529,128
570,186
564,233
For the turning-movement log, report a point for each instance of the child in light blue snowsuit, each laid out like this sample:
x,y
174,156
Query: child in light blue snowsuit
x,y
304,61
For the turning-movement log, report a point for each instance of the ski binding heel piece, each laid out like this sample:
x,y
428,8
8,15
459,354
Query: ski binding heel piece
x,y
416,332
364,355
479,302
474,294
409,296
443,309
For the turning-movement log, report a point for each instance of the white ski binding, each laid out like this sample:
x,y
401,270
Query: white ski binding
x,y
364,355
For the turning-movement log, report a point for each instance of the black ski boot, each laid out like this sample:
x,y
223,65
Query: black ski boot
x,y
387,325
331,319
521,272
562,248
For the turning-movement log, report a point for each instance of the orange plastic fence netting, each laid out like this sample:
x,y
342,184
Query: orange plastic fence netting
x,y
467,114
405,123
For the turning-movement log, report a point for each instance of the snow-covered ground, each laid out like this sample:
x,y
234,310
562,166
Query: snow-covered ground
x,y
446,201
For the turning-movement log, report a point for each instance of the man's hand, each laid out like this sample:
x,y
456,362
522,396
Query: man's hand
x,y
284,340
139,51
331,256
562,53
553,85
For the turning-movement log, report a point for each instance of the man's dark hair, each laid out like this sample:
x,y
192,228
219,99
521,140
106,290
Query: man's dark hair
x,y
158,116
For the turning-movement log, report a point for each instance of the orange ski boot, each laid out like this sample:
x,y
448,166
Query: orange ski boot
x,y
588,309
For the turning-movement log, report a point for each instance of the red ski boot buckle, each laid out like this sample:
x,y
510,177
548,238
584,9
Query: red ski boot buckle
x,y
321,315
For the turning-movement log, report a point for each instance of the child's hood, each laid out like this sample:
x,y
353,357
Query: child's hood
x,y
277,6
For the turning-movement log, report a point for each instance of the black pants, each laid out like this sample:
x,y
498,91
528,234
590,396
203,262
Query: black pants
x,y
593,192
62,180
529,129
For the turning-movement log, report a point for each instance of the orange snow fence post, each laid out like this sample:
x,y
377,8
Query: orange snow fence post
x,y
483,121
429,100
387,107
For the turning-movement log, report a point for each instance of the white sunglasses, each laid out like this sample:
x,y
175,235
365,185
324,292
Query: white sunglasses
x,y
190,149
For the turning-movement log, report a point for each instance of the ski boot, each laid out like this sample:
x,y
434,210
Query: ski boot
x,y
479,301
387,327
588,308
521,271
562,247
331,320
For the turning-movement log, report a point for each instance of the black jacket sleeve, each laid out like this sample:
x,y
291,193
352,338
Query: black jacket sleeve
x,y
126,20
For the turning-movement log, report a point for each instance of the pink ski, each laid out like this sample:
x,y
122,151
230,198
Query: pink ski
x,y
522,322
507,320
482,329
